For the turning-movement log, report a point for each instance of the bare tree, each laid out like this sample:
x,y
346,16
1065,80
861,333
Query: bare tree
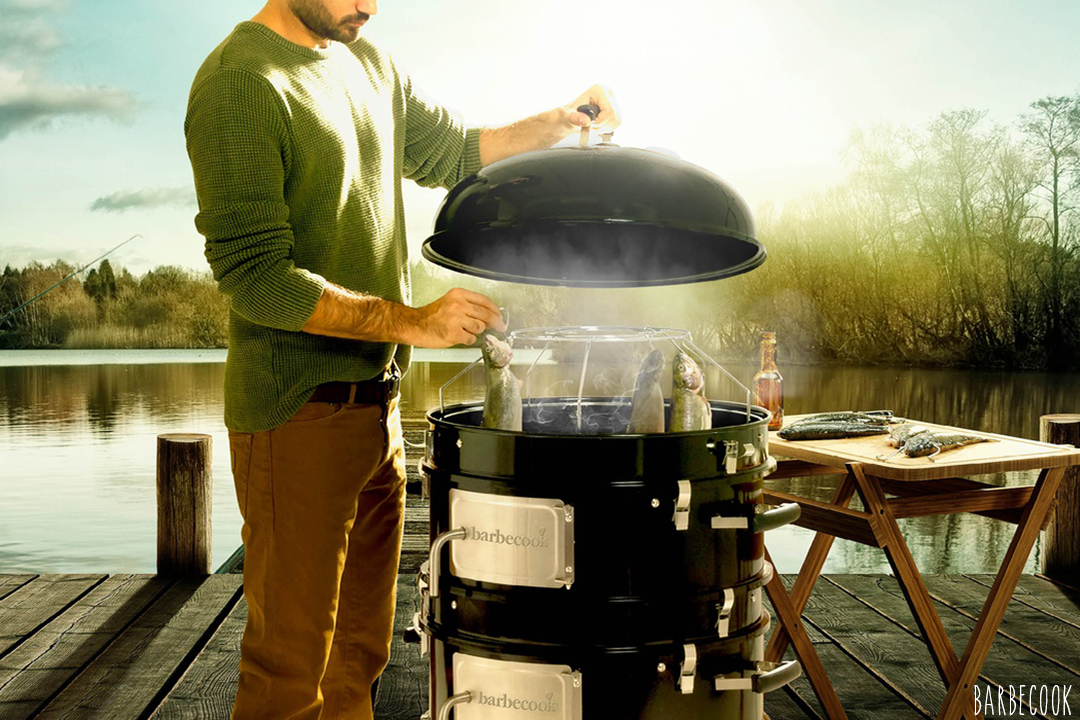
x,y
1052,133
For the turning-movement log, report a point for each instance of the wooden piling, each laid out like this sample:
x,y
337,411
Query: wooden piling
x,y
184,499
1061,541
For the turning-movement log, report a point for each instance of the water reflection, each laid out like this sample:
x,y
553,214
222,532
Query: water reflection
x,y
77,449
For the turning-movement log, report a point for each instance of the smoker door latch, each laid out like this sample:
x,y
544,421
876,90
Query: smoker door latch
x,y
723,615
731,456
415,634
736,522
682,506
688,669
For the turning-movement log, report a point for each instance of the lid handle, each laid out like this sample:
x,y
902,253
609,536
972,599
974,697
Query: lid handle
x,y
592,111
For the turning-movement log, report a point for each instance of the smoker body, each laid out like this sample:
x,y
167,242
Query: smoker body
x,y
601,556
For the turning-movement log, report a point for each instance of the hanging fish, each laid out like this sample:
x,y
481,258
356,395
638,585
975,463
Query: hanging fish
x,y
502,399
647,405
690,410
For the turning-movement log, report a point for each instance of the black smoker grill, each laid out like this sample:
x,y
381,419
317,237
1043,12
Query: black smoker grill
x,y
577,571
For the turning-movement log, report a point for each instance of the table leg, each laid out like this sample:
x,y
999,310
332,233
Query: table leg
x,y
791,623
911,583
978,647
810,571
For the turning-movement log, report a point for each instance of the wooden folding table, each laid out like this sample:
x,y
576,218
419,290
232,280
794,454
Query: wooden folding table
x,y
919,487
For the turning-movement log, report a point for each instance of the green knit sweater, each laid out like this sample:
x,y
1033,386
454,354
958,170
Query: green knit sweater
x,y
298,156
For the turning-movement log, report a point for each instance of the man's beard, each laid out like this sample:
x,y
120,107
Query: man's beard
x,y
317,19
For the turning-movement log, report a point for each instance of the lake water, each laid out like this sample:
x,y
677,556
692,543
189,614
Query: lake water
x,y
78,441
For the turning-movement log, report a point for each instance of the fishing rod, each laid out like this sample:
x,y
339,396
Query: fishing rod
x,y
61,282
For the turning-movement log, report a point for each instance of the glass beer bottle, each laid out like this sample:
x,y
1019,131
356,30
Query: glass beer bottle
x,y
768,385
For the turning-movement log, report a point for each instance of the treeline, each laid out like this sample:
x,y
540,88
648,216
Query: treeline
x,y
950,244
168,307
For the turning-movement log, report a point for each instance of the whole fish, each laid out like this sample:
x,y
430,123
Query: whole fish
x,y
830,430
647,405
929,444
690,410
502,399
874,417
900,434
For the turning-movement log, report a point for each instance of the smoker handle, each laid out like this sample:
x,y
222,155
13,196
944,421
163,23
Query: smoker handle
x,y
461,699
589,109
433,558
776,518
778,678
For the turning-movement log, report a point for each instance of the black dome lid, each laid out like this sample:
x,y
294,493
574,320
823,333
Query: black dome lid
x,y
599,216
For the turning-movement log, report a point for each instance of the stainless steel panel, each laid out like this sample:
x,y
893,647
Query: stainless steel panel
x,y
502,689
512,540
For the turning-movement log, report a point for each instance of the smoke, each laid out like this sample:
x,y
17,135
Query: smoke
x,y
594,254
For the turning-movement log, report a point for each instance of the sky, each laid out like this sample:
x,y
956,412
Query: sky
x,y
764,93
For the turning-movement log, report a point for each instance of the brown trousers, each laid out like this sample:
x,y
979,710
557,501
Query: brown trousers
x,y
322,498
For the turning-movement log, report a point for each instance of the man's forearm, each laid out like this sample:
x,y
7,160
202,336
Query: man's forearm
x,y
533,133
345,314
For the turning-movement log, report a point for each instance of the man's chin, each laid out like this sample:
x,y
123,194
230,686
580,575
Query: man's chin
x,y
348,33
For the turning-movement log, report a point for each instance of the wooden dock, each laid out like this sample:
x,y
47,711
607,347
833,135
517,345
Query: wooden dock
x,y
132,647
139,646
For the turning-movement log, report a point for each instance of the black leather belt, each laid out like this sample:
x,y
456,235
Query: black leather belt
x,y
368,392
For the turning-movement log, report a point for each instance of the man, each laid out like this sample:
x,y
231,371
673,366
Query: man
x,y
299,135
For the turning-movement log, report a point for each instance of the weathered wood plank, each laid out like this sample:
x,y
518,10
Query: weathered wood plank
x,y
11,583
1054,642
815,635
1006,661
403,687
1059,602
37,602
782,705
208,688
39,668
861,694
127,679
897,659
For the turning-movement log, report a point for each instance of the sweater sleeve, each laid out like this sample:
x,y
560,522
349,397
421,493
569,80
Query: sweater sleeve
x,y
238,145
439,150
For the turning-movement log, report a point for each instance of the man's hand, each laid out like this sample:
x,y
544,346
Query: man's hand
x,y
606,121
544,130
455,318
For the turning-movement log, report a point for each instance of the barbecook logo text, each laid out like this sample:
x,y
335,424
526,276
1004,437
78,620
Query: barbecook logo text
x,y
1052,700
547,705
498,537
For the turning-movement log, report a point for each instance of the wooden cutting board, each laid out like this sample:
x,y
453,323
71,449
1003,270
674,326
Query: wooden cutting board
x,y
1001,454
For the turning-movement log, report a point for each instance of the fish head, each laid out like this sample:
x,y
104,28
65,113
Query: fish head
x,y
686,373
496,351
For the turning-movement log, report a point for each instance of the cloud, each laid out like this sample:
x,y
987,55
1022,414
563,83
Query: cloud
x,y
145,198
28,100
26,33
